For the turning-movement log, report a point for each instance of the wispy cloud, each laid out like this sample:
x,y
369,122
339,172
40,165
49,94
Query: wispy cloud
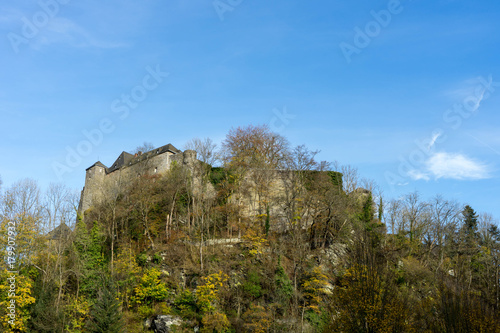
x,y
433,140
418,175
471,88
451,166
65,31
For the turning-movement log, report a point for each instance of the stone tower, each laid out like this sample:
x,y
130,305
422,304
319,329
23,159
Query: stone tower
x,y
94,179
100,180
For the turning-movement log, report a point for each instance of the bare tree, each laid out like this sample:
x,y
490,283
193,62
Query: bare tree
x,y
145,147
21,207
57,204
206,150
444,221
413,216
485,221
145,197
253,155
255,147
202,194
350,176
59,209
394,216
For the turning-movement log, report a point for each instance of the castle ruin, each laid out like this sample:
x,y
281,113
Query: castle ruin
x,y
100,180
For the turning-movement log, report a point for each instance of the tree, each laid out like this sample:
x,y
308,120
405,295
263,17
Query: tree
x,y
22,285
150,289
145,198
350,177
90,262
202,191
254,146
206,150
283,285
45,315
469,220
469,244
393,216
106,316
145,147
58,211
253,155
257,319
413,216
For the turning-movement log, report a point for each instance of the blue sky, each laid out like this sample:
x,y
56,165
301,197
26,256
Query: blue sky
x,y
406,91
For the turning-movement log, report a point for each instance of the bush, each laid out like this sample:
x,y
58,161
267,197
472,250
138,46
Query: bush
x,y
252,285
142,259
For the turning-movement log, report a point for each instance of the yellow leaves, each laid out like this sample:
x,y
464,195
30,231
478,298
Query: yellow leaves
x,y
77,310
207,294
14,310
20,233
314,288
486,250
150,288
257,319
215,322
255,243
126,264
364,302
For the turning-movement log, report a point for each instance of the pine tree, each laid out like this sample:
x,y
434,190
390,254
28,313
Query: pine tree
x,y
470,221
283,285
469,230
106,315
469,246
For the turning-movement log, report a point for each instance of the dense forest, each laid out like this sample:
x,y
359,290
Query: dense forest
x,y
339,256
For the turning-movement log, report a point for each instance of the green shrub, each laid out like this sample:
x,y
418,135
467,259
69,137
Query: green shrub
x,y
252,285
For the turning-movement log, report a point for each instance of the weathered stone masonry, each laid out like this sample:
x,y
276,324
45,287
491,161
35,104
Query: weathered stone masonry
x,y
99,179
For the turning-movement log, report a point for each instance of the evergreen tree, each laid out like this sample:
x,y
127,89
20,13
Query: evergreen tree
x,y
106,316
468,264
469,222
367,211
283,285
45,316
91,262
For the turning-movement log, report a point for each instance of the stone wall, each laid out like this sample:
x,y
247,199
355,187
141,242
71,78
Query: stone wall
x,y
100,184
276,194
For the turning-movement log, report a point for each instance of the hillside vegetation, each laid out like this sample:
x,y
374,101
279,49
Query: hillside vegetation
x,y
222,250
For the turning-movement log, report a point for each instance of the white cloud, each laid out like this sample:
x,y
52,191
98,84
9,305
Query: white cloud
x,y
451,166
417,175
456,166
